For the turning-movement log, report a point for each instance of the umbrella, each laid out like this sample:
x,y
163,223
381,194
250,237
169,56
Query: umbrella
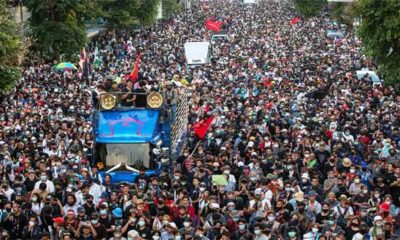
x,y
65,66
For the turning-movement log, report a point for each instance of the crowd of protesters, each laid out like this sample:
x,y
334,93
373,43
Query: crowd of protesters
x,y
297,166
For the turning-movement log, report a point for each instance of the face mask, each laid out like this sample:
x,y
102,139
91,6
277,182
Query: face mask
x,y
377,195
202,189
292,234
242,226
330,222
94,222
31,223
178,237
357,180
365,191
165,222
34,199
117,235
271,218
314,230
186,224
43,178
226,172
257,232
288,189
352,170
141,223
103,212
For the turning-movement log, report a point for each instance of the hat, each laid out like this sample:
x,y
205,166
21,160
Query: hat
x,y
358,236
385,207
343,197
58,220
305,175
133,234
346,162
214,205
312,193
377,218
117,212
81,209
257,191
299,196
173,225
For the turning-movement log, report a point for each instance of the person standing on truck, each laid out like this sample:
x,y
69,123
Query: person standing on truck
x,y
127,97
171,98
140,95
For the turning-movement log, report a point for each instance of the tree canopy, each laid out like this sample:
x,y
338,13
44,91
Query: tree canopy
x,y
9,49
169,8
57,26
309,8
380,33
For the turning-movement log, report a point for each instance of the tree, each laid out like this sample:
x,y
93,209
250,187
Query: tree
x,y
309,8
57,26
345,12
9,49
169,8
380,34
147,13
121,14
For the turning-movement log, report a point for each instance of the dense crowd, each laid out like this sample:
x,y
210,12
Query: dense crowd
x,y
296,166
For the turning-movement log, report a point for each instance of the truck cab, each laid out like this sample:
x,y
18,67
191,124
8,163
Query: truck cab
x,y
129,139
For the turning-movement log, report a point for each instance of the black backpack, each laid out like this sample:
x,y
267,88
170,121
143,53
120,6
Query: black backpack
x,y
341,221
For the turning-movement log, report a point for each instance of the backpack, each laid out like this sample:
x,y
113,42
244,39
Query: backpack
x,y
341,221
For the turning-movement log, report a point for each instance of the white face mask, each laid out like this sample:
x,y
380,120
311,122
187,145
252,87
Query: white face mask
x,y
352,170
377,195
186,224
271,218
314,230
357,180
202,189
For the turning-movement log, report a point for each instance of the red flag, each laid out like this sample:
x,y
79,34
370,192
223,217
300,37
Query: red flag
x,y
135,72
213,25
201,128
295,20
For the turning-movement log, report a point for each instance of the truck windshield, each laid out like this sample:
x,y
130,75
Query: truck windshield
x,y
135,155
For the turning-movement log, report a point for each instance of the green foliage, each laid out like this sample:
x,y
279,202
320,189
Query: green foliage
x,y
121,14
380,33
345,12
170,7
147,13
309,8
57,26
9,49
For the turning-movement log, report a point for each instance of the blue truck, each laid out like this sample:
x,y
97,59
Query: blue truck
x,y
128,139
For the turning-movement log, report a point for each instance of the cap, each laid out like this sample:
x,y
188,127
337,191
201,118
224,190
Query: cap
x,y
117,212
377,218
58,220
81,209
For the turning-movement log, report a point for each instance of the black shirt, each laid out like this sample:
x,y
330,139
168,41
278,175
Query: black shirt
x,y
141,98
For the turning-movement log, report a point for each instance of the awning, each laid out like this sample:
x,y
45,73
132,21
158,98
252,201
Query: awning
x,y
129,126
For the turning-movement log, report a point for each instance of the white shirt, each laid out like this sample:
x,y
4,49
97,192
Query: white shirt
x,y
49,184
